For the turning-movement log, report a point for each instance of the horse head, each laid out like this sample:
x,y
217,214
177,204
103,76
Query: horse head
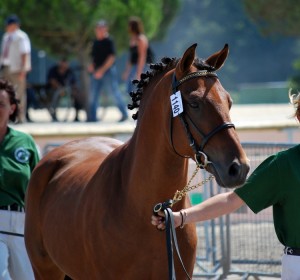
x,y
203,130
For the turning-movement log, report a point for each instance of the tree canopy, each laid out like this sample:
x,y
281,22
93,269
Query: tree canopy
x,y
275,16
66,27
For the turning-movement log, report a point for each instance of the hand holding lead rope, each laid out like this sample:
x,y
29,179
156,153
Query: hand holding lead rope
x,y
166,222
158,218
162,206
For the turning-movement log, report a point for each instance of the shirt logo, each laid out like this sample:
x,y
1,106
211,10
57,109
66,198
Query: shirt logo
x,y
22,155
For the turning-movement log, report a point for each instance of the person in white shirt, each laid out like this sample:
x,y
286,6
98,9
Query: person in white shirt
x,y
15,60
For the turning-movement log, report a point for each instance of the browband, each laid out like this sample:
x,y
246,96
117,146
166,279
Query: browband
x,y
200,73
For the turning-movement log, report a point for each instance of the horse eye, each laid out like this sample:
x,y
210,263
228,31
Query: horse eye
x,y
194,105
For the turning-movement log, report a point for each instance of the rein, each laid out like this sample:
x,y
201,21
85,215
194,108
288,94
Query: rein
x,y
201,161
171,238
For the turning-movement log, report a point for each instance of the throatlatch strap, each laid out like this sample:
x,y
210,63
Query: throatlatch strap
x,y
172,240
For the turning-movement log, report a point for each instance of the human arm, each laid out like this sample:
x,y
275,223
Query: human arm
x,y
53,78
126,72
142,45
90,68
23,72
106,65
54,84
25,50
211,208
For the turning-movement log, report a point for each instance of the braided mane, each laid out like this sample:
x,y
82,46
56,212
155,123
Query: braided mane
x,y
164,65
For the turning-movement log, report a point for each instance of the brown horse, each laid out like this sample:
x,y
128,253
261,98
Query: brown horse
x,y
89,201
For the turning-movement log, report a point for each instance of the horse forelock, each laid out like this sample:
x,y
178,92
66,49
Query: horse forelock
x,y
166,64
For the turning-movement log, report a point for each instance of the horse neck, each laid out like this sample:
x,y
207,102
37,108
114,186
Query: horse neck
x,y
156,172
155,168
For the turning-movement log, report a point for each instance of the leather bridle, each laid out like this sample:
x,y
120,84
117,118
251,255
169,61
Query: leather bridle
x,y
201,160
200,157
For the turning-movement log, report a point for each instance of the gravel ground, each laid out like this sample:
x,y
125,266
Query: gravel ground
x,y
253,249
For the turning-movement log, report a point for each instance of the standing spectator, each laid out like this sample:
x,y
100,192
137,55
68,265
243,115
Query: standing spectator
x,y
16,60
61,76
139,52
275,182
18,157
102,71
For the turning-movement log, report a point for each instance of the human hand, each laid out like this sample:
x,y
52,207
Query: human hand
x,y
98,74
125,75
22,76
159,221
90,68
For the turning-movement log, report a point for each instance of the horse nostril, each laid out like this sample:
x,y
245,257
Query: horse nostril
x,y
234,169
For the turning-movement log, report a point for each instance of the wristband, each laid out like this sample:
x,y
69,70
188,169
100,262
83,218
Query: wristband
x,y
183,218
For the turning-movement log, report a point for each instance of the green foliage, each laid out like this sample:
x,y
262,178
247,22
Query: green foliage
x,y
66,27
275,16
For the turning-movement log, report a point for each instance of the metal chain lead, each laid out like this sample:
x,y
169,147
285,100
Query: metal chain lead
x,y
180,194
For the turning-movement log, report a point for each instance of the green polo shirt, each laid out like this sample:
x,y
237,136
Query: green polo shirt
x,y
276,182
18,157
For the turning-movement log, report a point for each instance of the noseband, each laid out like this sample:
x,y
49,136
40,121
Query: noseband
x,y
200,157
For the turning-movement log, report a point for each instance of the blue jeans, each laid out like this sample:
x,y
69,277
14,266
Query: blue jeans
x,y
131,77
111,81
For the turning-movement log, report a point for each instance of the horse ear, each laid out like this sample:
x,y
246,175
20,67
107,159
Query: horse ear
x,y
217,60
186,61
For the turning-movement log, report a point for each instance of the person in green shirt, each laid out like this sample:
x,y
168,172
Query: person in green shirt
x,y
275,182
18,157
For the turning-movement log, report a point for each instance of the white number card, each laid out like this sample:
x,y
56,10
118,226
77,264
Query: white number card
x,y
176,103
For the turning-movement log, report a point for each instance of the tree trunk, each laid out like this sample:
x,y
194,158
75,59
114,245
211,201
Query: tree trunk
x,y
83,59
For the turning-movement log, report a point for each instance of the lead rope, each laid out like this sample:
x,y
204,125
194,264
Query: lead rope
x,y
166,206
171,238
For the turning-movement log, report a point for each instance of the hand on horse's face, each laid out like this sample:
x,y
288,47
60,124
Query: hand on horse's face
x,y
159,221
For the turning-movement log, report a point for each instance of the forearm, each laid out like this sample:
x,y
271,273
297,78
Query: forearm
x,y
142,55
107,64
54,84
23,62
126,72
214,207
211,208
23,70
140,65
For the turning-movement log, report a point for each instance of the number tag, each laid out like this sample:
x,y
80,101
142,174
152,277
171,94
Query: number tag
x,y
176,103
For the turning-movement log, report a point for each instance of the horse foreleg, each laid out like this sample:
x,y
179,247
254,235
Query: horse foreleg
x,y
44,269
43,266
